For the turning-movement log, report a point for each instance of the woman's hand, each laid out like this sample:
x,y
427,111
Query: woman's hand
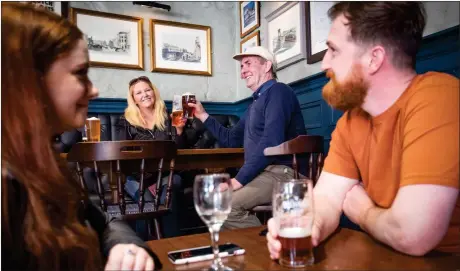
x,y
180,127
129,257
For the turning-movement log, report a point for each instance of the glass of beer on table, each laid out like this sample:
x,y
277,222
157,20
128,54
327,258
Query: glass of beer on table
x,y
177,113
186,99
93,129
293,213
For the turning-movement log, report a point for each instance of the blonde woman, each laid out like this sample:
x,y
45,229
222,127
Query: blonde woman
x,y
146,118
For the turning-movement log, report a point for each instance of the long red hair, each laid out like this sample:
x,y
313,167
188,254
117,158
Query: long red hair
x,y
42,215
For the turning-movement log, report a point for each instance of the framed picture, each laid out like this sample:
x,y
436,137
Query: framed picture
x,y
249,17
250,41
114,41
318,25
180,48
58,7
286,33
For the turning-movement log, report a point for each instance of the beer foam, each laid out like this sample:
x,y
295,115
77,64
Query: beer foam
x,y
92,118
296,232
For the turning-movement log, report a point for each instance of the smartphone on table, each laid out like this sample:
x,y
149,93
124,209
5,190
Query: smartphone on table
x,y
198,254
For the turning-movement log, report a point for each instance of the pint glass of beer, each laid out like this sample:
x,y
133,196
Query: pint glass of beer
x,y
177,112
93,129
293,213
188,98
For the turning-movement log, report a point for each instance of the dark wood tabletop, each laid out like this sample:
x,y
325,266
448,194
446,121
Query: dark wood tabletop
x,y
344,250
205,158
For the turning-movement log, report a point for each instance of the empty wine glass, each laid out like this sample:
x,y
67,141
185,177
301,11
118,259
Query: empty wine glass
x,y
212,194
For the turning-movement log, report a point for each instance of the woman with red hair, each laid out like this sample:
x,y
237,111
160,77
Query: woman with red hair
x,y
47,220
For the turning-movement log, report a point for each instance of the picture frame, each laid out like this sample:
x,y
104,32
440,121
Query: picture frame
x,y
318,25
249,17
250,41
180,48
286,34
114,40
59,7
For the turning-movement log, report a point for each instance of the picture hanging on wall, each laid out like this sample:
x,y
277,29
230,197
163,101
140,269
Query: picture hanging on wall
x,y
249,17
250,41
59,7
114,41
318,25
180,48
286,33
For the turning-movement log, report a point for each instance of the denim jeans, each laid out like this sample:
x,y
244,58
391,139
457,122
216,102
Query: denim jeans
x,y
170,222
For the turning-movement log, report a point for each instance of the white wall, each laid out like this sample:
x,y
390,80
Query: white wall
x,y
223,17
440,15
220,16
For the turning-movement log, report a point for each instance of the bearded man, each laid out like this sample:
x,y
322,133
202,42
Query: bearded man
x,y
393,164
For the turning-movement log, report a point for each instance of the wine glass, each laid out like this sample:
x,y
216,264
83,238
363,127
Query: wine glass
x,y
212,194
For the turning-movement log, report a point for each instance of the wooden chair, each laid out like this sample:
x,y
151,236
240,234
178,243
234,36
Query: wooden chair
x,y
309,145
128,157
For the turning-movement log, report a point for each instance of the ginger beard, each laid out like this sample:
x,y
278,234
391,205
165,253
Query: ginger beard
x,y
348,94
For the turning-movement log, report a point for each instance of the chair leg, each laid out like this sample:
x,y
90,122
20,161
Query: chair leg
x,y
147,231
157,228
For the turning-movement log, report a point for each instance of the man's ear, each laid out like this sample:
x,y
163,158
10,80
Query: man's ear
x,y
376,58
268,66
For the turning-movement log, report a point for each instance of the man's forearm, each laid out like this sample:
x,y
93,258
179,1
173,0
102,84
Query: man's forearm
x,y
328,215
202,117
381,224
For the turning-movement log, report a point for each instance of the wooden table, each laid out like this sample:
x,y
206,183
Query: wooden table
x,y
209,158
344,250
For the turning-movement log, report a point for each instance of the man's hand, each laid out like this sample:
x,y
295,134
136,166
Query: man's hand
x,y
357,204
129,257
274,246
200,113
235,184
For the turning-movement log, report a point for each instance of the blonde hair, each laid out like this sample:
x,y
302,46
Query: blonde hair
x,y
132,112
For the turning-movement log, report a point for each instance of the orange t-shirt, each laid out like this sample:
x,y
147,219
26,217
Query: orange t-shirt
x,y
415,141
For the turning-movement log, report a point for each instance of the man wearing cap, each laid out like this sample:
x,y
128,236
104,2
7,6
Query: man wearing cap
x,y
273,118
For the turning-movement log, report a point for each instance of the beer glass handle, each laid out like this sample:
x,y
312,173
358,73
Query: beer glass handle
x,y
172,131
84,133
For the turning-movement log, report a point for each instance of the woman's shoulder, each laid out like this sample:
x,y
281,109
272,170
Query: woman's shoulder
x,y
122,121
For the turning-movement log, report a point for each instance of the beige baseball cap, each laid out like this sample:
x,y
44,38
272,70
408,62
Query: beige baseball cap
x,y
258,51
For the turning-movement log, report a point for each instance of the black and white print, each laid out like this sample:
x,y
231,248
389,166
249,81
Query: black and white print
x,y
184,50
118,42
284,40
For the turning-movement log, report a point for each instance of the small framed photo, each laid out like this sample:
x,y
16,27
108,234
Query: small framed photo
x,y
249,17
286,33
250,41
114,41
180,48
59,7
318,25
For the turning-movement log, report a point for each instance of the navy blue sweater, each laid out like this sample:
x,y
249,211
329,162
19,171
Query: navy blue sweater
x,y
271,119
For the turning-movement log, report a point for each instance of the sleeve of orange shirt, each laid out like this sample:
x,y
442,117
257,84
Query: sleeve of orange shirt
x,y
340,159
431,134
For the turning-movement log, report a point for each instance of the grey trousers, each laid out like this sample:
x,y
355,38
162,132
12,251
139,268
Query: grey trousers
x,y
257,192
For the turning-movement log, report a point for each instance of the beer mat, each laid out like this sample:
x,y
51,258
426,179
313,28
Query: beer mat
x,y
263,232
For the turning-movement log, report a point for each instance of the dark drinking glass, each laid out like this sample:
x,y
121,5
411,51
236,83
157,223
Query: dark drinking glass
x,y
186,99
